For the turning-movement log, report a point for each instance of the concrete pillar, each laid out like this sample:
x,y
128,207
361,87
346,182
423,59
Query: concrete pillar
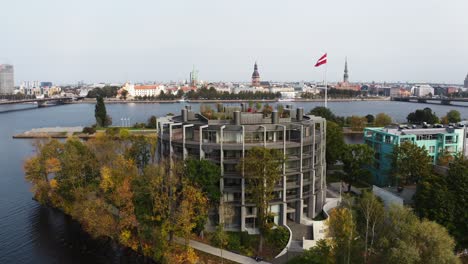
x,y
184,135
243,209
202,153
221,182
299,210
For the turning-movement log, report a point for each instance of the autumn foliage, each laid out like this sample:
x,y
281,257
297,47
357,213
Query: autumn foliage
x,y
114,188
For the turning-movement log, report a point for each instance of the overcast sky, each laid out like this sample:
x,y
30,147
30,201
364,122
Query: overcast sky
x,y
65,41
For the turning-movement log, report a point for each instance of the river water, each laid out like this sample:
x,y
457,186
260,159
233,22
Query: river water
x,y
30,233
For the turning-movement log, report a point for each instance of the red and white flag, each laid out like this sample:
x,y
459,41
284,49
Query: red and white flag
x,y
322,60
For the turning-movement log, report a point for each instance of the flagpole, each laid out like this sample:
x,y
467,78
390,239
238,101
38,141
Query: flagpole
x,y
326,86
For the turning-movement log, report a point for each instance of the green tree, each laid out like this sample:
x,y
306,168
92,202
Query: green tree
x,y
357,123
438,198
410,163
382,120
355,158
335,143
423,115
371,211
409,240
370,118
139,151
453,116
342,228
220,239
42,168
152,122
79,168
321,253
261,168
100,113
323,112
124,94
444,157
205,175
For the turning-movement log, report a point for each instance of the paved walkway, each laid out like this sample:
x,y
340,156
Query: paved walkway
x,y
217,252
344,187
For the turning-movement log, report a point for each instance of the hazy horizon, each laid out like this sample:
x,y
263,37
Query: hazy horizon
x,y
117,41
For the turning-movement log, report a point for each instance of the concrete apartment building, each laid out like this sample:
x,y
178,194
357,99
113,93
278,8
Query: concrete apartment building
x,y
434,140
301,192
7,81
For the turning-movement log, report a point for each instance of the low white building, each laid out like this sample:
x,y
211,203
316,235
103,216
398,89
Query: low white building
x,y
148,90
142,90
242,88
422,90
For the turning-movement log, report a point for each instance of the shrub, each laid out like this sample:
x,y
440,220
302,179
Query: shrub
x,y
139,125
234,242
124,133
89,130
113,131
278,237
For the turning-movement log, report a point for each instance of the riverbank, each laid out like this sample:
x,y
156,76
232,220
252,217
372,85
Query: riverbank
x,y
65,132
299,100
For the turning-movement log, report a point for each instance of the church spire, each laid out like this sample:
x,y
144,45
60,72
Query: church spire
x,y
255,76
346,76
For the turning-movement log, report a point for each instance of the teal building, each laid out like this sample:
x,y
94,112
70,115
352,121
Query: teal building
x,y
434,140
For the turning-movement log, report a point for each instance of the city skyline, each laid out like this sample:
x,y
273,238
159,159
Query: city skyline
x,y
114,41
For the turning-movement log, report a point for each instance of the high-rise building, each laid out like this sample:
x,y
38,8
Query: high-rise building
x,y
298,196
7,81
193,77
346,76
466,81
255,76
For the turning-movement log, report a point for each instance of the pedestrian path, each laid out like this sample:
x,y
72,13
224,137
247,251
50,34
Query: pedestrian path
x,y
217,252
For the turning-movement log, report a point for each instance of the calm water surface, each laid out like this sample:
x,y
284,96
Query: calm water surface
x,y
30,233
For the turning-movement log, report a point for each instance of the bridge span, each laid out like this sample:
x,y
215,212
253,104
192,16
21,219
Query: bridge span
x,y
43,101
424,100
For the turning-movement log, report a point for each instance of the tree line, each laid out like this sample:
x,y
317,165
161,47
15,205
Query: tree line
x,y
105,92
333,93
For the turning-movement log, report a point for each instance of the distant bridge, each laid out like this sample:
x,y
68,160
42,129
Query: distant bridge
x,y
424,100
42,102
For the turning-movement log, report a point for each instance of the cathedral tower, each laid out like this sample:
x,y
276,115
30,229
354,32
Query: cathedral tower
x,y
255,76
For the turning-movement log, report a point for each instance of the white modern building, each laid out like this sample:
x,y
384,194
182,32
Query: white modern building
x,y
422,90
7,81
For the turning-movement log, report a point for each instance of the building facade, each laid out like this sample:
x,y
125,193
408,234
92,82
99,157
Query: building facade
x,y
7,80
193,77
466,81
422,90
301,192
255,76
434,140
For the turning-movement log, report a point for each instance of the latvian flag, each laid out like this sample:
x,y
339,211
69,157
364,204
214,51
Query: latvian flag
x,y
322,60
